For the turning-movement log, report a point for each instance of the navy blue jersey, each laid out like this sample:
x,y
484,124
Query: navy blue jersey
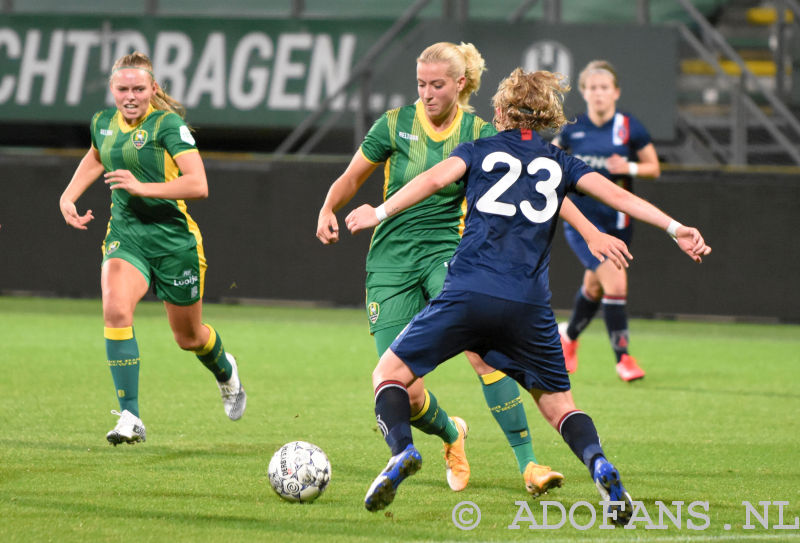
x,y
515,182
623,135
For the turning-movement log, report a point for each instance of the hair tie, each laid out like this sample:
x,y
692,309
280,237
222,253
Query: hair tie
x,y
525,110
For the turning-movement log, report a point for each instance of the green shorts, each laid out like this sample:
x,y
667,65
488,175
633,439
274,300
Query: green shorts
x,y
395,297
177,278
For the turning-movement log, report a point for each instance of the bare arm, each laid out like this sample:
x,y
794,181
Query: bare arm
x,y
89,169
647,165
601,245
191,185
341,192
425,184
688,238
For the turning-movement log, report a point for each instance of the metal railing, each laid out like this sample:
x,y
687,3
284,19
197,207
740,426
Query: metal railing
x,y
360,72
742,103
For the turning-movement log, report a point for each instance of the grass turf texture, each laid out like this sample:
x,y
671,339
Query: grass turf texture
x,y
715,420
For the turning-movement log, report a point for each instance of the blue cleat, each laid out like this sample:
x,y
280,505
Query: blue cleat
x,y
384,487
607,479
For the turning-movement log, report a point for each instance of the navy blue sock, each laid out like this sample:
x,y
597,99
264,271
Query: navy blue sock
x,y
577,429
583,311
616,317
393,413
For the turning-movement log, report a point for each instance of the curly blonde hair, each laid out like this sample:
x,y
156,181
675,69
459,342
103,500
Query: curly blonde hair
x,y
160,100
597,66
463,59
531,100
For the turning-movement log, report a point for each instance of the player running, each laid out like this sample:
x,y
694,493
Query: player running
x,y
618,146
148,158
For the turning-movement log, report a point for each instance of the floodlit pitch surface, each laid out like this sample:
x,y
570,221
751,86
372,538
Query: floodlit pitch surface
x,y
714,424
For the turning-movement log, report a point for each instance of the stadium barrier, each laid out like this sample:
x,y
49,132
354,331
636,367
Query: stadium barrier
x,y
259,234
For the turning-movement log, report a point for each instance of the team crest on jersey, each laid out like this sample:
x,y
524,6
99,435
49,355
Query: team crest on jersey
x,y
139,138
373,310
113,246
620,132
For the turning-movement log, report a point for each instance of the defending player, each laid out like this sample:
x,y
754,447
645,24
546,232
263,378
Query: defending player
x,y
496,294
408,256
148,158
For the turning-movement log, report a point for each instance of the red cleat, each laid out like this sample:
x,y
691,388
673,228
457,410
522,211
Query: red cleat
x,y
570,348
628,369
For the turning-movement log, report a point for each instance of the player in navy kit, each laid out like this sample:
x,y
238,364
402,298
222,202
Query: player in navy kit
x,y
618,146
496,294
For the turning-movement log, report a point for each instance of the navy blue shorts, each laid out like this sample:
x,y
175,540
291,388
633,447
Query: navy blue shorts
x,y
519,339
581,250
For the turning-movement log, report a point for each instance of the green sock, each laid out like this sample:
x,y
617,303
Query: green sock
x,y
433,420
502,397
213,356
122,353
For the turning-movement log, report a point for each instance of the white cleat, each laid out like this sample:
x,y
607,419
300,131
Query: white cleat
x,y
234,398
129,429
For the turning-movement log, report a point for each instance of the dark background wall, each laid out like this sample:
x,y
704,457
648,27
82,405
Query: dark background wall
x,y
260,219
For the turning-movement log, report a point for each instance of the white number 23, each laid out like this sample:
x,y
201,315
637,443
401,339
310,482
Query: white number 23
x,y
488,202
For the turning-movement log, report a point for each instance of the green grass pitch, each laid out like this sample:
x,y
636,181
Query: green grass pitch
x,y
716,420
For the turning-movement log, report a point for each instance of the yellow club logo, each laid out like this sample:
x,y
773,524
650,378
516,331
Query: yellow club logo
x,y
373,310
113,246
139,138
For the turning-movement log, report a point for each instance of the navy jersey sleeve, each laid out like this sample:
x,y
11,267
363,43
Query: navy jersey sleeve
x,y
464,151
573,169
640,137
565,137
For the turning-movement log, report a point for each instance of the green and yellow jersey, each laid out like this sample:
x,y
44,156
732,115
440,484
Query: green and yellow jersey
x,y
148,150
404,139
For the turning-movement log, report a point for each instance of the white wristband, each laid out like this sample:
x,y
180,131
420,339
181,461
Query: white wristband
x,y
380,212
672,228
633,168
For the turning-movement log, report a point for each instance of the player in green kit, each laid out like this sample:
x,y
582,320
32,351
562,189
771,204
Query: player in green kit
x,y
408,255
148,158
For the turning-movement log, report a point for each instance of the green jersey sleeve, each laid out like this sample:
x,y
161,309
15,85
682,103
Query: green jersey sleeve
x,y
175,135
377,145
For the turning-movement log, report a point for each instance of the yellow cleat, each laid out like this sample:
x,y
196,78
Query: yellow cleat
x,y
456,458
540,479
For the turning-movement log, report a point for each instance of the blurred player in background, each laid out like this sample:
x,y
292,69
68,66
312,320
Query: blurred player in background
x,y
496,295
148,158
408,255
618,146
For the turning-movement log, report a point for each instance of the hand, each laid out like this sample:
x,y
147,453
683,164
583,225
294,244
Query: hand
x,y
617,164
604,245
71,216
361,218
124,179
692,243
327,227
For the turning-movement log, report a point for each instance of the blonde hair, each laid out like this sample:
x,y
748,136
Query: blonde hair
x,y
463,59
531,100
160,100
594,67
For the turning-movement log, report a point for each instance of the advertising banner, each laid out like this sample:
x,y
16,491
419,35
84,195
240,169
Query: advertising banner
x,y
275,72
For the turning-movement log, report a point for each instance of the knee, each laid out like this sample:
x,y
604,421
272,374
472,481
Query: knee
x,y
188,342
116,314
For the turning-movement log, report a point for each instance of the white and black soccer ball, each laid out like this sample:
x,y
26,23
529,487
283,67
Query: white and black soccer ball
x,y
299,472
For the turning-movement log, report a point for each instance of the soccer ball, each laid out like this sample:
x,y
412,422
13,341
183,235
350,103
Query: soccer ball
x,y
299,472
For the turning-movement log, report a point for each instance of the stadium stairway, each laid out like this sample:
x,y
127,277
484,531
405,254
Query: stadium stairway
x,y
707,97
